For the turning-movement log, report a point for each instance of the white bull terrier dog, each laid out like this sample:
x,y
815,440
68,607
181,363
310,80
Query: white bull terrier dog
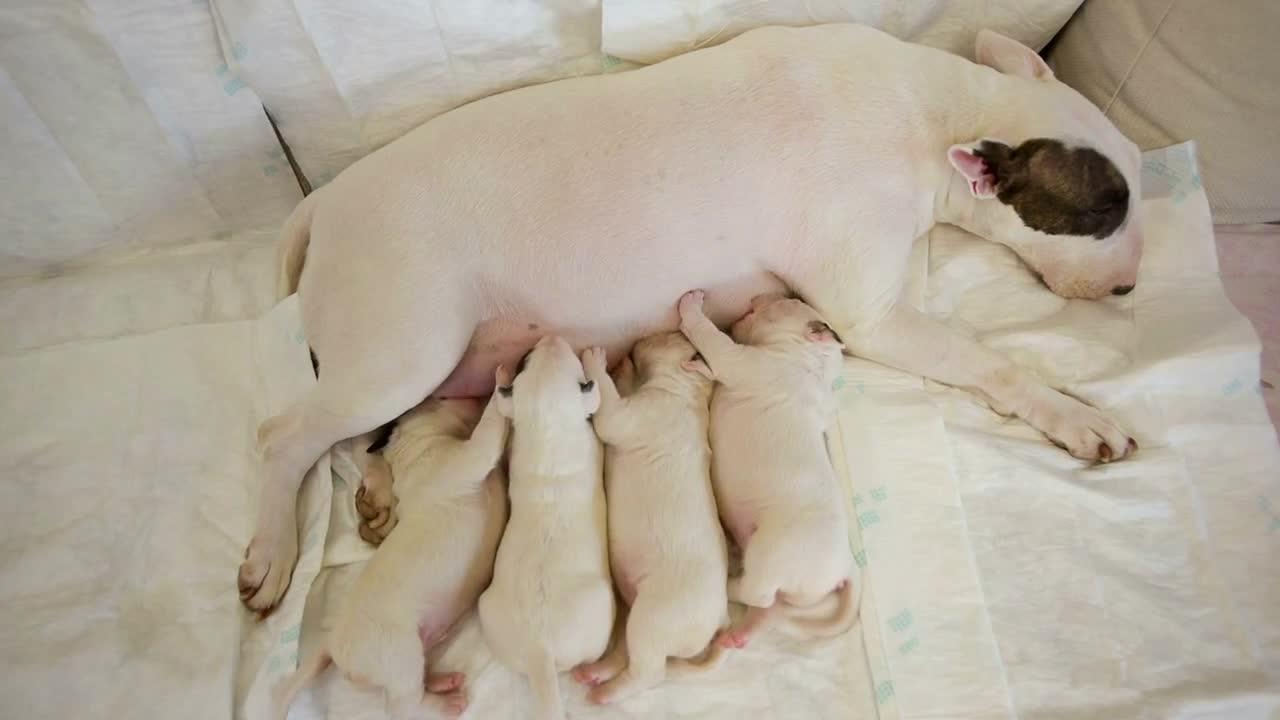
x,y
431,570
551,605
774,482
666,546
800,158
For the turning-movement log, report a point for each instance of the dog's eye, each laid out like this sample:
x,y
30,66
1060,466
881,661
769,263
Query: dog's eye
x,y
586,386
697,357
504,390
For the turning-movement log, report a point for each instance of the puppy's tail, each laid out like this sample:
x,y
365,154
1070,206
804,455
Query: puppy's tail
x,y
289,688
546,687
291,248
707,661
839,622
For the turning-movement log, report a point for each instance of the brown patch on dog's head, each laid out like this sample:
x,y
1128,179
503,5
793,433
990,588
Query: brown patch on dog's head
x,y
1056,189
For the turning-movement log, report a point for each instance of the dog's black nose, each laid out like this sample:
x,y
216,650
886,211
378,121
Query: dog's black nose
x,y
1122,290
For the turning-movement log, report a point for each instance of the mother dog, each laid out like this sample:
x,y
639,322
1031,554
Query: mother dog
x,y
807,159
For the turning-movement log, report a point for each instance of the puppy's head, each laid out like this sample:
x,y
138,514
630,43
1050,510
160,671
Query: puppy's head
x,y
547,386
431,418
1061,187
777,318
672,355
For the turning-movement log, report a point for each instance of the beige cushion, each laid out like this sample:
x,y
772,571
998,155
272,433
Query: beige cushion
x,y
1166,71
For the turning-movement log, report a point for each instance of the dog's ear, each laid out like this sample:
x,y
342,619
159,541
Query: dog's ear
x,y
503,391
821,332
1010,56
981,163
699,365
590,397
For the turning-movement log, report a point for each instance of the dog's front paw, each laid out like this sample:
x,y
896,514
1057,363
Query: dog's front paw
x,y
268,566
1080,429
376,504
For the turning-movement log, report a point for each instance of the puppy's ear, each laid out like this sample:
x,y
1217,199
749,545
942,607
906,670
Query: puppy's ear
x,y
821,332
1009,56
503,392
699,365
590,397
981,163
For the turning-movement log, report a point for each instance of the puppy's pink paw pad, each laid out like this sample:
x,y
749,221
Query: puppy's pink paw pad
x,y
445,682
455,703
585,676
734,639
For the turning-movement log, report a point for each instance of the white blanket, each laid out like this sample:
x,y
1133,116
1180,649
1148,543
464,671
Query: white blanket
x,y
342,80
647,31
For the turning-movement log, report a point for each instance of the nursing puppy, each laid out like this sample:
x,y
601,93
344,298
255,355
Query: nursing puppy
x,y
773,478
666,547
430,571
551,604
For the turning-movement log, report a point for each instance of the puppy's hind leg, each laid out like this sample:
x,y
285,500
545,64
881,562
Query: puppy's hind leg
x,y
648,631
614,661
757,588
358,390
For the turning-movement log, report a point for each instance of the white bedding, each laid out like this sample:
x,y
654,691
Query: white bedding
x,y
1002,578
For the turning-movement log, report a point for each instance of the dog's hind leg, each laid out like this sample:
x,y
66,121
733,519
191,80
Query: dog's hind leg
x,y
360,388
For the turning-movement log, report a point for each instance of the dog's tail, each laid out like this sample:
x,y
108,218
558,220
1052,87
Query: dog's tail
x,y
289,688
705,662
291,248
839,622
546,687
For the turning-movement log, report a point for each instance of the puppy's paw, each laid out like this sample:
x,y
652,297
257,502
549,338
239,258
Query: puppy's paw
x,y
453,703
1080,429
600,671
691,304
376,503
594,362
600,694
441,683
734,639
268,566
585,675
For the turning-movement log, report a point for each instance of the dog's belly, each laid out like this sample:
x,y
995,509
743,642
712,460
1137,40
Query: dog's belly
x,y
613,323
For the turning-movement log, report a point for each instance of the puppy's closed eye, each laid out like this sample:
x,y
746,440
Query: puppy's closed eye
x,y
697,357
504,390
586,386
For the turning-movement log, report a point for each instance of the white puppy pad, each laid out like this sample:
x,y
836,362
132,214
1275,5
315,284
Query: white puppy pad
x,y
1006,579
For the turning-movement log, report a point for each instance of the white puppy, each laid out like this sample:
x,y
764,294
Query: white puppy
x,y
666,546
430,571
551,604
773,477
